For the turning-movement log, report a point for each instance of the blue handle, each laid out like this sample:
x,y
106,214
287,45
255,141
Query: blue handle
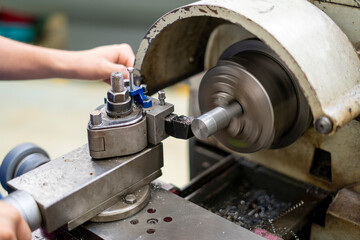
x,y
140,98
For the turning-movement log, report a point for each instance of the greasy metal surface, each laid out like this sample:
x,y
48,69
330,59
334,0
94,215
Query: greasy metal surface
x,y
155,117
342,219
177,41
188,221
118,141
123,209
92,185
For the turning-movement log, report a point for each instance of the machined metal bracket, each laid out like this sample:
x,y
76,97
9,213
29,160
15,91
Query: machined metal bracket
x,y
155,117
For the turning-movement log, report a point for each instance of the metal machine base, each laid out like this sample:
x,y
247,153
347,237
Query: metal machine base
x,y
167,216
125,207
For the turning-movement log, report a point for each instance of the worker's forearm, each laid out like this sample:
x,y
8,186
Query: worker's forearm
x,y
24,61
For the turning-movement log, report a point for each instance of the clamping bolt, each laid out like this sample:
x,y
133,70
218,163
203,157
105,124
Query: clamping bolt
x,y
95,118
137,92
118,100
117,82
161,97
131,77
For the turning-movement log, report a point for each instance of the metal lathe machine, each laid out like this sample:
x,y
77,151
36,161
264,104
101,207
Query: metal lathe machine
x,y
273,132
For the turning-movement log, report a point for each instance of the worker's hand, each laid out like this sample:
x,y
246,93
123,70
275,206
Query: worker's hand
x,y
12,226
39,62
100,62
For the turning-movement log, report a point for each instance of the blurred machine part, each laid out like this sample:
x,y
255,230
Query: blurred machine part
x,y
17,27
274,104
91,23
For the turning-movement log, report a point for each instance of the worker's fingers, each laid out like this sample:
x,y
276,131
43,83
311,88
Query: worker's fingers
x,y
12,225
23,231
7,229
100,62
125,55
118,68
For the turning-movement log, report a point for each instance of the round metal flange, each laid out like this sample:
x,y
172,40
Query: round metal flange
x,y
120,109
275,113
129,205
219,87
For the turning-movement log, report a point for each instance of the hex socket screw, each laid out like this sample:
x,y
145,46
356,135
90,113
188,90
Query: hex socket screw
x,y
95,118
161,97
131,77
117,82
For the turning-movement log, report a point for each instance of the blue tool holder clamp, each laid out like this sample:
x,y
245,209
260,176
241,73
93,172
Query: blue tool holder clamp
x,y
139,97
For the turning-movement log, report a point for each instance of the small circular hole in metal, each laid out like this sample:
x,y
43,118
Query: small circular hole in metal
x,y
152,221
134,221
151,210
150,231
167,219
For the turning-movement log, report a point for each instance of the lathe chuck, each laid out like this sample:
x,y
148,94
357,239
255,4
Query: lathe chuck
x,y
274,111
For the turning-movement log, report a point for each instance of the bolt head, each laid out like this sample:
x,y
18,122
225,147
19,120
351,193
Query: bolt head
x,y
118,97
130,198
323,125
95,118
117,82
161,95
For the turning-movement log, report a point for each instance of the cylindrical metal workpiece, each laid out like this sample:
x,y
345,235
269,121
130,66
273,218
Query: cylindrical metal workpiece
x,y
214,120
117,82
26,206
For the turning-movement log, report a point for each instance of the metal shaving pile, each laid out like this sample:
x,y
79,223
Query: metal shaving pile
x,y
248,207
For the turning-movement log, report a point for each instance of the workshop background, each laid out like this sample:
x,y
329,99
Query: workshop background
x,y
54,113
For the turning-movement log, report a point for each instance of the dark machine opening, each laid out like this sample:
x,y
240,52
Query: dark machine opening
x,y
321,164
252,196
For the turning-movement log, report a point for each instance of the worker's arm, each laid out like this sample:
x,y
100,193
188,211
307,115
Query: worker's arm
x,y
25,61
12,226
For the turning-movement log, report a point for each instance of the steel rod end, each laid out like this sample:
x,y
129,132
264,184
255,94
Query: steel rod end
x,y
200,129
